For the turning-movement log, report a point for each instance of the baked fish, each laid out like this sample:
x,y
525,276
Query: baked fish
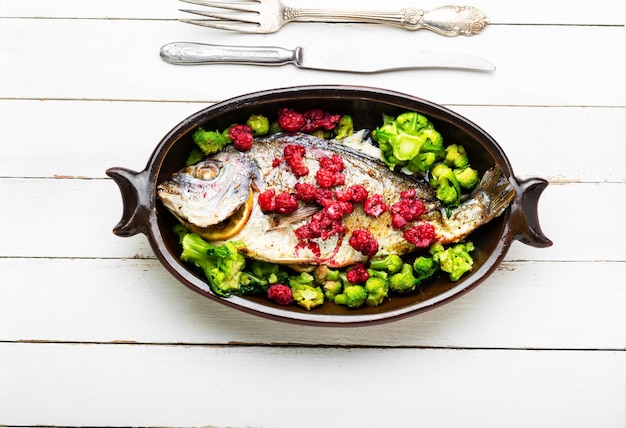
x,y
209,195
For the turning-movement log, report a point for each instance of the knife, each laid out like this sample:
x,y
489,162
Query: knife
x,y
329,59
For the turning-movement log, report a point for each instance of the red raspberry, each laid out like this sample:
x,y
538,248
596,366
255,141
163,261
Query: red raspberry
x,y
290,120
267,201
374,205
241,136
285,203
280,294
421,235
318,119
325,178
294,156
363,241
334,163
357,274
306,192
359,193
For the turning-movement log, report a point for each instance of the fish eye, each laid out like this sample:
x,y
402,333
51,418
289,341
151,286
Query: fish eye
x,y
208,171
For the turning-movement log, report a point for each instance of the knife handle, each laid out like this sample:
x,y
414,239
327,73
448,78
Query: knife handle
x,y
201,53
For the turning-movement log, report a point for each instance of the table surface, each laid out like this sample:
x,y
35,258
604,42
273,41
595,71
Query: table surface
x,y
94,331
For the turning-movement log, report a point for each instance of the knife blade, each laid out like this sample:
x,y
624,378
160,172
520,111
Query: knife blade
x,y
329,59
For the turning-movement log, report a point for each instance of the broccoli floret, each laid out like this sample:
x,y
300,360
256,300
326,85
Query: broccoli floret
x,y
330,281
468,177
425,267
269,272
210,141
345,127
331,289
456,157
353,296
377,289
275,127
456,260
391,263
251,285
259,124
195,156
304,278
403,138
307,296
443,180
403,281
422,162
222,265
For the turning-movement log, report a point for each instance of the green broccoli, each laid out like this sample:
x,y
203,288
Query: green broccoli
x,y
403,281
353,296
330,281
443,180
467,177
222,265
344,128
251,285
455,260
377,289
306,295
303,278
422,162
403,138
210,141
275,127
391,263
259,124
456,157
195,156
270,272
425,267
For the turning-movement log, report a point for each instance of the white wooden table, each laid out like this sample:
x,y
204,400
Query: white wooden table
x,y
94,331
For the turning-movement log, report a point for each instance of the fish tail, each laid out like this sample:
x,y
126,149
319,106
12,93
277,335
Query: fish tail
x,y
499,191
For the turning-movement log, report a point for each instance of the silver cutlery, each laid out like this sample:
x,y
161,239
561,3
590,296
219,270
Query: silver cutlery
x,y
268,16
330,59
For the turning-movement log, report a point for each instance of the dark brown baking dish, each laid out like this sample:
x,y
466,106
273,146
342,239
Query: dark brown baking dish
x,y
143,213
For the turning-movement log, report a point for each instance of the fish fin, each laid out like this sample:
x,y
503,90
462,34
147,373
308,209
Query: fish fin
x,y
496,185
294,217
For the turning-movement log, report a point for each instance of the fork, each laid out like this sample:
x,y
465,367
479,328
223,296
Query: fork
x,y
268,16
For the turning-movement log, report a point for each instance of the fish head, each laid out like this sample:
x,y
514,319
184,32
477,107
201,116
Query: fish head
x,y
209,192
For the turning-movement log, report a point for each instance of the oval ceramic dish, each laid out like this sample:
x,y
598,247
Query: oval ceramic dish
x,y
143,213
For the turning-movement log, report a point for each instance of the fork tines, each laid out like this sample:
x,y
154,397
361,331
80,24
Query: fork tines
x,y
234,20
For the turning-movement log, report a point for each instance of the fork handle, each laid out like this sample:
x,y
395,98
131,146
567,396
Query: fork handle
x,y
200,53
445,20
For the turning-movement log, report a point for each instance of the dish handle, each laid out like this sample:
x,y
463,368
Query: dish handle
x,y
135,200
525,219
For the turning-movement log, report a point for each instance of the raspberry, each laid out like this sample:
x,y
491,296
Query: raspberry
x,y
241,136
363,241
318,119
280,294
406,209
289,120
374,205
306,192
334,163
267,201
421,235
325,178
359,193
357,274
285,203
294,156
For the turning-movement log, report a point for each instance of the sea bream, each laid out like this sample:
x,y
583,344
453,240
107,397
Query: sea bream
x,y
225,186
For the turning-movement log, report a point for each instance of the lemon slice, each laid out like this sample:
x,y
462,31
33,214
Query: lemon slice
x,y
229,227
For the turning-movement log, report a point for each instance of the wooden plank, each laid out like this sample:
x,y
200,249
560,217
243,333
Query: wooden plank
x,y
604,12
126,385
533,138
523,305
77,217
128,66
